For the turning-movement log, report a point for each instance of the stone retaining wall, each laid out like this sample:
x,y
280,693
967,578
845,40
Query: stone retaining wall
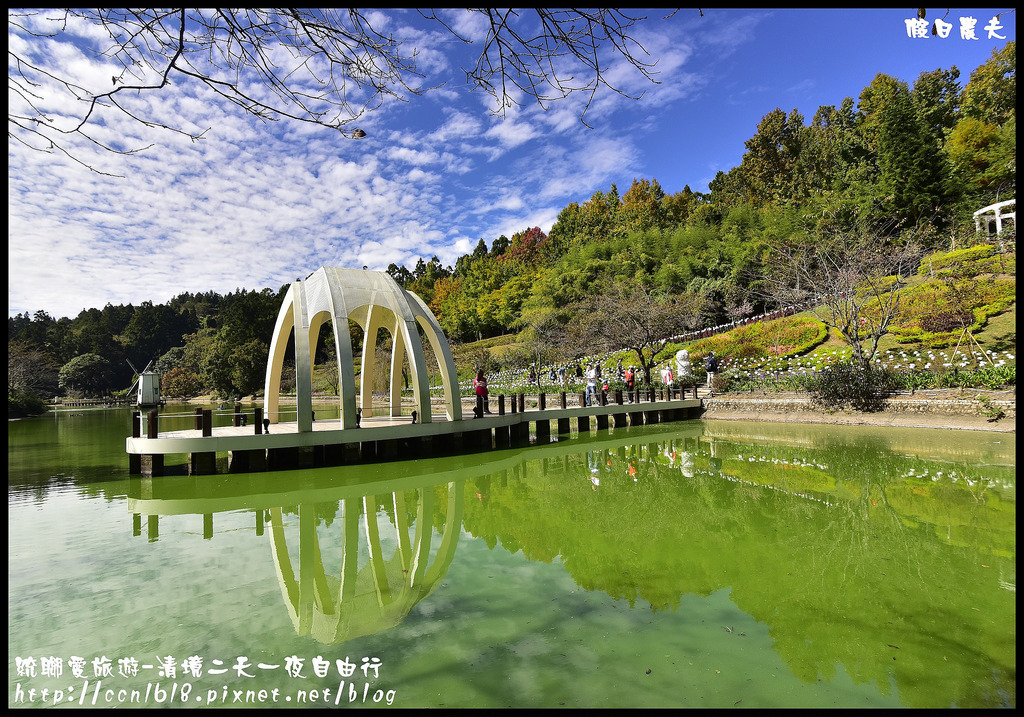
x,y
921,404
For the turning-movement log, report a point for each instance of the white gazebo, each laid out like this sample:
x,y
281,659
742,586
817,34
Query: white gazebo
x,y
374,300
989,220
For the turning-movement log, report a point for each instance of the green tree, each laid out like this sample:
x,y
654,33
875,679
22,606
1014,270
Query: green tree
x,y
771,160
569,228
991,92
424,277
500,246
88,374
727,190
911,176
980,153
400,274
248,365
151,331
248,316
480,251
205,355
937,98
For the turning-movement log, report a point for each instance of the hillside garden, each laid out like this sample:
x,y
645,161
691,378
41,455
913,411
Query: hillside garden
x,y
954,328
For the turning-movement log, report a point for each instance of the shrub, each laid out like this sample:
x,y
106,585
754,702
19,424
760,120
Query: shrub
x,y
24,403
687,381
946,321
851,385
721,382
912,380
990,377
788,336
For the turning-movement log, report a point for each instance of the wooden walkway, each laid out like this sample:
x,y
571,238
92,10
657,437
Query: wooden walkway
x,y
385,437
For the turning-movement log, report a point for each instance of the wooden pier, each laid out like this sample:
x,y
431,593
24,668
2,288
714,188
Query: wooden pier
x,y
248,447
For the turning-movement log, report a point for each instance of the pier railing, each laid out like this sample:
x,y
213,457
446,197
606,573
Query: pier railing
x,y
150,423
512,424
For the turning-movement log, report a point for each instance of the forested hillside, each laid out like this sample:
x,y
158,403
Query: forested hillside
x,y
896,171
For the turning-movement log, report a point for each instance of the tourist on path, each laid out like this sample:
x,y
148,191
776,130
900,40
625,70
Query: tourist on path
x,y
711,367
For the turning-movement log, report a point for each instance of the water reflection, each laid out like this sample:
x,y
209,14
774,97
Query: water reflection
x,y
377,595
887,556
384,538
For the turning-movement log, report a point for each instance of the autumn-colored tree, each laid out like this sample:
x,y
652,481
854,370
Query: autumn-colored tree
x,y
180,383
526,246
642,208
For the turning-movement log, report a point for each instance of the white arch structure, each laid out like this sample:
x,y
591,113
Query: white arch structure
x,y
990,219
373,300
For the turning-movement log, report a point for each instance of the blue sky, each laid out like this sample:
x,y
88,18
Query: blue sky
x,y
257,205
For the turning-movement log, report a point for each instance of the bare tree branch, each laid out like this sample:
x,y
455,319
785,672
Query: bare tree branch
x,y
632,317
851,282
542,61
327,67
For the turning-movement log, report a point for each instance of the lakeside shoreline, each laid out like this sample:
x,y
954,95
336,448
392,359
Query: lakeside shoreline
x,y
954,409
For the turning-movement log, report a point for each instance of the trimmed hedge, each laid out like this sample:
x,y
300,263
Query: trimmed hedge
x,y
944,260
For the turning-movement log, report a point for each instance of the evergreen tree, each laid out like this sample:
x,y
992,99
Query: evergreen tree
x,y
910,180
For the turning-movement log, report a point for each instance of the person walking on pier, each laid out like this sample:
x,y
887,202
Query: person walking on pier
x,y
592,374
480,389
631,382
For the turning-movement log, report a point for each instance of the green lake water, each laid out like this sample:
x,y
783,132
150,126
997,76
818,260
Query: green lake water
x,y
693,564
